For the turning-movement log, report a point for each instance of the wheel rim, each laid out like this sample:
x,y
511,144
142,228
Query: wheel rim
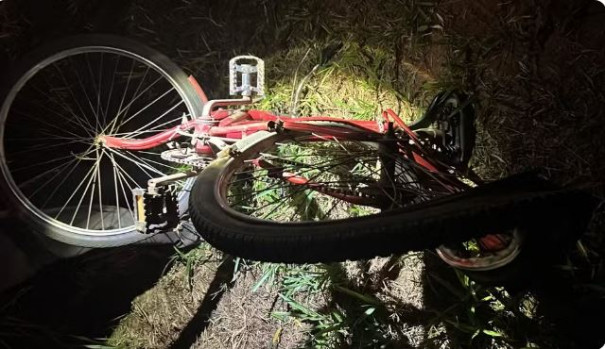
x,y
52,160
483,261
303,180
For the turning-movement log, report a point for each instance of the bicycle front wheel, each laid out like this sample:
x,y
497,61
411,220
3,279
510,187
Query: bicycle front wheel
x,y
53,166
295,197
299,198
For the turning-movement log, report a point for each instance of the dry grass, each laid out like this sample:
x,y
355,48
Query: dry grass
x,y
536,72
535,76
244,319
12,28
160,314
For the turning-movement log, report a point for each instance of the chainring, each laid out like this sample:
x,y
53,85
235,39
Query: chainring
x,y
186,156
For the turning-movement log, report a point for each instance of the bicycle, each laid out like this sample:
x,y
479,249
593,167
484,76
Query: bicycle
x,y
111,168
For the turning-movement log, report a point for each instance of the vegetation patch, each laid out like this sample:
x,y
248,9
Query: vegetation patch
x,y
534,71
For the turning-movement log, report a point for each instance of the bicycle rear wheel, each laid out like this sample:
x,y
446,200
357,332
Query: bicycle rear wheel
x,y
56,172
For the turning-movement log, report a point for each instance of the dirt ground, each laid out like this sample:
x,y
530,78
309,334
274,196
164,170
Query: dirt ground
x,y
535,70
240,314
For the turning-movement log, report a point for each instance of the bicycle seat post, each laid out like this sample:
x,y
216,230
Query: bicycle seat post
x,y
249,72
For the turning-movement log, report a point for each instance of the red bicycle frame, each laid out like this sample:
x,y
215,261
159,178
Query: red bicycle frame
x,y
222,124
232,126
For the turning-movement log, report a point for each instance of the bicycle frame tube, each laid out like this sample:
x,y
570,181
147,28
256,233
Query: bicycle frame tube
x,y
240,124
234,126
237,125
147,142
254,121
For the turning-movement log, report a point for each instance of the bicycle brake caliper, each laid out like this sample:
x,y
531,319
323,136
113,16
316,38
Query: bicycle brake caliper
x,y
243,70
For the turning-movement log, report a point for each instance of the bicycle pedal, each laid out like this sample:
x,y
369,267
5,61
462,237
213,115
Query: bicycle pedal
x,y
247,76
155,213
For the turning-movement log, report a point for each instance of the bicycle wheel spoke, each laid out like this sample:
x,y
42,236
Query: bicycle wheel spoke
x,y
75,99
114,123
96,88
330,179
150,162
149,105
99,106
47,162
117,197
32,180
140,165
127,107
57,128
389,179
150,153
89,173
125,177
92,195
155,129
308,202
279,200
39,146
294,191
315,166
110,94
51,122
281,182
39,188
159,127
327,213
57,187
100,187
75,120
121,180
156,119
48,135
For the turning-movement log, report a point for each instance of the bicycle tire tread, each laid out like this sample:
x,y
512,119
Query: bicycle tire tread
x,y
518,201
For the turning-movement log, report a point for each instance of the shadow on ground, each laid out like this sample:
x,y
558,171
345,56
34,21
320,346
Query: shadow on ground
x,y
222,281
535,70
77,301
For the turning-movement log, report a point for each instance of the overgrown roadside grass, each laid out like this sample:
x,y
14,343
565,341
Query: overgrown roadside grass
x,y
535,70
398,55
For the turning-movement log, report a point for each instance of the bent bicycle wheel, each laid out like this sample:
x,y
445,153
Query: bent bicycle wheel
x,y
298,198
56,172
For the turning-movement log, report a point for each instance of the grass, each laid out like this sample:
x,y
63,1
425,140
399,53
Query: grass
x,y
475,316
469,314
335,164
343,87
536,81
330,326
188,259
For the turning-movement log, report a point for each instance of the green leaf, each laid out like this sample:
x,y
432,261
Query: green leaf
x,y
492,333
363,297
